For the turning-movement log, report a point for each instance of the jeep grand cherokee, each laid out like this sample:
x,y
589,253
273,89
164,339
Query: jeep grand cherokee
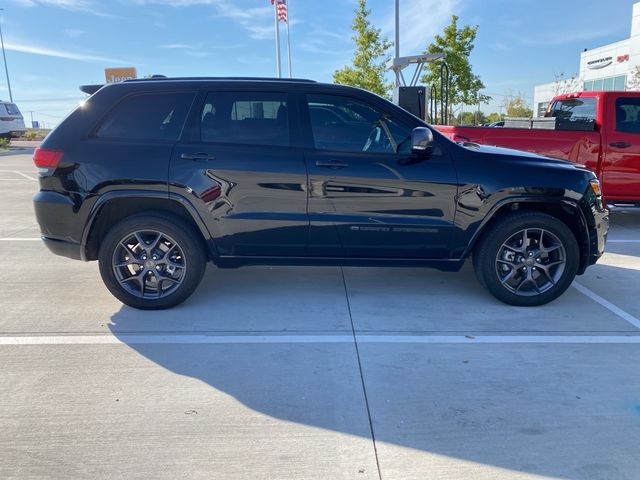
x,y
154,178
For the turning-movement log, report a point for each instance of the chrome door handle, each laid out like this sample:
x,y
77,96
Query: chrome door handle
x,y
197,156
331,164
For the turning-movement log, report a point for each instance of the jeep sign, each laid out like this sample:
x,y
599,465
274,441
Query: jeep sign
x,y
114,75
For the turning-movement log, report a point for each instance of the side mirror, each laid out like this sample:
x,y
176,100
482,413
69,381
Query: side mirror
x,y
421,140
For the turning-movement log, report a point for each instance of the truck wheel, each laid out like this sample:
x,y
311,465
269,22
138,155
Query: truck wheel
x,y
527,259
152,261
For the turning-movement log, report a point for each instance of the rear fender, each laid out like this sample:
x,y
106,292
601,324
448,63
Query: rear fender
x,y
141,195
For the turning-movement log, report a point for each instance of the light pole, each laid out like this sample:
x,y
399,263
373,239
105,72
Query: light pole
x,y
4,57
397,28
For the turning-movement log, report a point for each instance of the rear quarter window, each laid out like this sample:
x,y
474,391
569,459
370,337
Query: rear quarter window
x,y
580,108
147,116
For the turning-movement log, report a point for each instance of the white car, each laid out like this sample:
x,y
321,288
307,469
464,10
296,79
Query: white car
x,y
11,120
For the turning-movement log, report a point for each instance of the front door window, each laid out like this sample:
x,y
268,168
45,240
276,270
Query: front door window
x,y
344,124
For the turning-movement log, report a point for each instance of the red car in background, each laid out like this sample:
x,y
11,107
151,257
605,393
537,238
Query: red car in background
x,y
600,130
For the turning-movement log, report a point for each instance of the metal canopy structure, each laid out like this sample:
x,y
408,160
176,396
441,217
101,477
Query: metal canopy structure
x,y
438,111
398,64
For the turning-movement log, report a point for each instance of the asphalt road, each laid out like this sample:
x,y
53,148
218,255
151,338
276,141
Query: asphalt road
x,y
312,373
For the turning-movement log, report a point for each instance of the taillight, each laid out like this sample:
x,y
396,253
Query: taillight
x,y
44,158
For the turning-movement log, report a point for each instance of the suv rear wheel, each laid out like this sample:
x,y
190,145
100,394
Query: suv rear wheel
x,y
152,261
527,259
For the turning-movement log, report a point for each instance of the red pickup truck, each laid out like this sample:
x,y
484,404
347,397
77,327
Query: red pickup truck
x,y
600,130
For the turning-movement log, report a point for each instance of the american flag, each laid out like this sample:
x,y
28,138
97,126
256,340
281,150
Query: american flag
x,y
282,10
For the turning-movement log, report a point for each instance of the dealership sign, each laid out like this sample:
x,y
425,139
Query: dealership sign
x,y
599,63
114,75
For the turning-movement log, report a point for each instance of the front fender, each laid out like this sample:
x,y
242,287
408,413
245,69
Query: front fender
x,y
562,208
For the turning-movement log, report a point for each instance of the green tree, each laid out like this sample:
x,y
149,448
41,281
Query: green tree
x,y
465,118
516,106
370,58
471,118
457,44
494,117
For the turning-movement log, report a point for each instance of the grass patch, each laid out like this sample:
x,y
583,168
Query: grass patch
x,y
34,134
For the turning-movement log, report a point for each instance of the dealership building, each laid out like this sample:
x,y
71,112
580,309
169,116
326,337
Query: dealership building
x,y
609,67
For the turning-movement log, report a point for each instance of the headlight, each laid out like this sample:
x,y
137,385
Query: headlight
x,y
595,186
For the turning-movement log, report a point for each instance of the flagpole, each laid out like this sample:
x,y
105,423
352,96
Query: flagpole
x,y
288,37
277,31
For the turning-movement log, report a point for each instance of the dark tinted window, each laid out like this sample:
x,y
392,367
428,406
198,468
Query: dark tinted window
x,y
349,125
574,108
151,116
627,115
257,118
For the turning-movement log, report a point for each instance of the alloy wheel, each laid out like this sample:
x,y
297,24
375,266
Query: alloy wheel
x,y
531,261
149,264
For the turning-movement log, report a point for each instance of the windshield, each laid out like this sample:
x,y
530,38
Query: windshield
x,y
573,109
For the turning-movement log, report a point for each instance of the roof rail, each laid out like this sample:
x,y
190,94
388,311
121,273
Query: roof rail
x,y
91,89
262,79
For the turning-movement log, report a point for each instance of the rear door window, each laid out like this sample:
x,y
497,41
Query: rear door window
x,y
149,116
628,115
255,118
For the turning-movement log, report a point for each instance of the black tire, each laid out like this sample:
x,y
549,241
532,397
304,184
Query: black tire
x,y
527,259
142,282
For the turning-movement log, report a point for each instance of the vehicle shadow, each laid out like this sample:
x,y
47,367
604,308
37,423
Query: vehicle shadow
x,y
555,410
17,150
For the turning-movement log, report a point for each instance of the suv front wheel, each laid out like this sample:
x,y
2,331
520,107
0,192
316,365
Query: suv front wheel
x,y
152,261
527,259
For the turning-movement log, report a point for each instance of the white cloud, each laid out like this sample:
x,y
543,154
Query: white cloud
x,y
52,52
420,21
197,53
327,42
552,38
73,33
67,4
182,46
257,21
84,6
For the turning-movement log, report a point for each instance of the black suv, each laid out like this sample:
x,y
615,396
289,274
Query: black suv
x,y
155,177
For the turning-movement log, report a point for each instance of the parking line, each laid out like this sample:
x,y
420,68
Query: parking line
x,y
607,304
28,177
623,241
17,239
137,339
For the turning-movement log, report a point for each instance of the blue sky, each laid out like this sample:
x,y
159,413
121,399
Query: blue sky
x,y
55,45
